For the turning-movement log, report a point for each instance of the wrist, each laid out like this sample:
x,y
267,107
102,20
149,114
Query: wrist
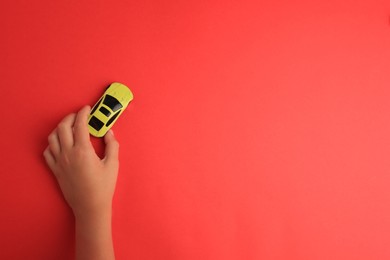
x,y
88,215
94,235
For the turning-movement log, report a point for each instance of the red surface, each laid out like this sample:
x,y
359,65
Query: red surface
x,y
259,129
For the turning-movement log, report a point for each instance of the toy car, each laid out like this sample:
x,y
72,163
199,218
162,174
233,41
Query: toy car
x,y
107,110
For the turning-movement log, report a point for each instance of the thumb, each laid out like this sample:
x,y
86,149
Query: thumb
x,y
112,148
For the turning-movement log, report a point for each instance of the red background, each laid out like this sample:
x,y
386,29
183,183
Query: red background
x,y
259,129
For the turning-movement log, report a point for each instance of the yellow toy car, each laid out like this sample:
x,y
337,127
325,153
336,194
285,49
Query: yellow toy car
x,y
107,110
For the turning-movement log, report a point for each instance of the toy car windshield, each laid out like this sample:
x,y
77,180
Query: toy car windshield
x,y
112,103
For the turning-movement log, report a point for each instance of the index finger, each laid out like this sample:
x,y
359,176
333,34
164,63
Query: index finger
x,y
81,133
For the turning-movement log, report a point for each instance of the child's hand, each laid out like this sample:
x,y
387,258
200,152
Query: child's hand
x,y
87,182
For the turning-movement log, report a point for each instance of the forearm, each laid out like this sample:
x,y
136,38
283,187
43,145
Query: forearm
x,y
94,237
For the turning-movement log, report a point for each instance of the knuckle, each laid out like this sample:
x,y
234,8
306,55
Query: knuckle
x,y
80,152
64,159
77,127
51,137
62,126
46,153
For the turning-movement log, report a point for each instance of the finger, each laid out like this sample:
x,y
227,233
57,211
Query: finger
x,y
81,132
112,148
54,143
49,158
65,131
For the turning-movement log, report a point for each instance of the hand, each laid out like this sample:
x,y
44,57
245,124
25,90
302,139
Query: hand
x,y
87,182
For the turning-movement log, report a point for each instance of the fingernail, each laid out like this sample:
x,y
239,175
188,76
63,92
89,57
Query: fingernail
x,y
112,132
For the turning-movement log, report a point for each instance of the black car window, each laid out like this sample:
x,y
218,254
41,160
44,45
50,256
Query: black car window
x,y
96,123
112,103
105,111
112,118
96,106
